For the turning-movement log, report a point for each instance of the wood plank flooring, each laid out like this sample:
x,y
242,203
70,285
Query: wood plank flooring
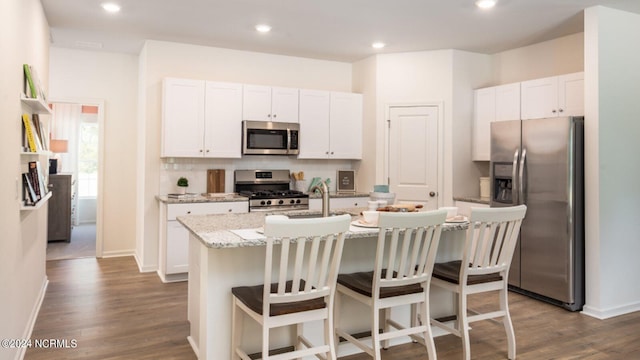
x,y
115,312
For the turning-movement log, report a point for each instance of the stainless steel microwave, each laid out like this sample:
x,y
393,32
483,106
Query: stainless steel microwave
x,y
270,138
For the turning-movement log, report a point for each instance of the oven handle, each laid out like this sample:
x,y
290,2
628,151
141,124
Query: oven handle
x,y
281,208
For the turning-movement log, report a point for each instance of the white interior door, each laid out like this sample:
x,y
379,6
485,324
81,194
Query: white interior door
x,y
413,154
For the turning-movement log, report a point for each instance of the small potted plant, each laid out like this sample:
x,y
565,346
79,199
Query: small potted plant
x,y
183,183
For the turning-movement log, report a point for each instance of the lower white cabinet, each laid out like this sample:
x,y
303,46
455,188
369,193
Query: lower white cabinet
x,y
173,261
339,203
464,207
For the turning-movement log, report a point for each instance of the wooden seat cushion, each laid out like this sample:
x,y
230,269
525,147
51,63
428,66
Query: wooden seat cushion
x,y
362,283
251,296
450,271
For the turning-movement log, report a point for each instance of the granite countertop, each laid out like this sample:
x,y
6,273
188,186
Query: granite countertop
x,y
472,199
203,198
227,197
333,195
221,231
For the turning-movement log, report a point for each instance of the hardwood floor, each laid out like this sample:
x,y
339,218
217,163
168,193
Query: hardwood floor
x,y
115,312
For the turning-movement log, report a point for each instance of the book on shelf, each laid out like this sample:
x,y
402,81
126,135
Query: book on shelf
x,y
31,139
28,193
30,88
40,131
32,85
37,179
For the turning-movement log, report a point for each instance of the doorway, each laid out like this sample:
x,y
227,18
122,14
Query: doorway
x,y
78,125
414,155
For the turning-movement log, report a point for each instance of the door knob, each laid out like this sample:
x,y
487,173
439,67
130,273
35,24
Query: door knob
x,y
432,194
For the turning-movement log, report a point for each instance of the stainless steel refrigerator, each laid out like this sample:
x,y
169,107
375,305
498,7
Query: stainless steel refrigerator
x,y
540,163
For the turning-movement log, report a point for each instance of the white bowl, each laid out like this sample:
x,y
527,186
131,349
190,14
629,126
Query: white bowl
x,y
390,198
370,217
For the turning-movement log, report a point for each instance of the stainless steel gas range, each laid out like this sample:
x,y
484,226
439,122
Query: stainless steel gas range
x,y
268,190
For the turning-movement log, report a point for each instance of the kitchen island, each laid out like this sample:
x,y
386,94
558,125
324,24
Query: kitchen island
x,y
225,250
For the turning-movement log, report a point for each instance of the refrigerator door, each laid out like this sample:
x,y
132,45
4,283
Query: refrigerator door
x,y
547,236
505,156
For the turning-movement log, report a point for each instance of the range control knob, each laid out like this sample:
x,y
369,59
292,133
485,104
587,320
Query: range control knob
x,y
280,202
268,202
263,202
292,201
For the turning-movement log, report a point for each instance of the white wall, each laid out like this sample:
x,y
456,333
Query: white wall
x,y
165,59
559,56
612,89
24,38
111,77
365,82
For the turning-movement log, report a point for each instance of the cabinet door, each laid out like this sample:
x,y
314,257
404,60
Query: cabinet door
x,y
345,126
223,120
484,114
182,118
539,98
345,203
314,124
571,94
256,103
177,248
284,104
507,102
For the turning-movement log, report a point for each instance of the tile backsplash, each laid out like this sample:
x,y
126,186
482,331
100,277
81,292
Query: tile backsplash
x,y
195,170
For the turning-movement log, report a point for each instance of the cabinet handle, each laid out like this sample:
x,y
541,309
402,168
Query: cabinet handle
x,y
326,153
332,153
188,212
274,115
561,110
200,150
269,115
230,210
207,150
553,111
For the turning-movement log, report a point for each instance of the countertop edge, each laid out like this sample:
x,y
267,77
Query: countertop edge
x,y
472,199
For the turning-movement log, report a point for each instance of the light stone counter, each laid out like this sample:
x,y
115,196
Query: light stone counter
x,y
203,198
214,230
219,260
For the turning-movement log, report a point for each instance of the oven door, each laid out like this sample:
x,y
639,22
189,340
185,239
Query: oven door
x,y
265,138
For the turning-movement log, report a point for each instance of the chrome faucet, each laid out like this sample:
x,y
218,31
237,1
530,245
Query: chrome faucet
x,y
324,191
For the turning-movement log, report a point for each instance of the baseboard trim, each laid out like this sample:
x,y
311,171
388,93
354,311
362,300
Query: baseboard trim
x,y
194,347
603,314
144,269
33,317
118,253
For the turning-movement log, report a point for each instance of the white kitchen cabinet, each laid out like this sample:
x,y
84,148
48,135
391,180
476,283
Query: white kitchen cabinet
x,y
173,261
265,103
339,203
330,125
182,117
201,119
497,103
553,96
223,120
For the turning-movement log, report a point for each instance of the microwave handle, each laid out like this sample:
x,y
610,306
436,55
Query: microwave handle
x,y
288,140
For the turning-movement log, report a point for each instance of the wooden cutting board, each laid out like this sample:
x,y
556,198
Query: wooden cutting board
x,y
215,181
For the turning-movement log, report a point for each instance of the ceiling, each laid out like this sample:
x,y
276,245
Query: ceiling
x,y
339,30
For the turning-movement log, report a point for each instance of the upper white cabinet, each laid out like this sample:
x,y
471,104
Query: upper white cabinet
x,y
201,119
330,125
553,96
265,103
497,103
223,120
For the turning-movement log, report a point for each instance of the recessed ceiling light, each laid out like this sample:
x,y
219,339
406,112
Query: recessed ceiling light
x,y
263,28
486,4
378,45
111,7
